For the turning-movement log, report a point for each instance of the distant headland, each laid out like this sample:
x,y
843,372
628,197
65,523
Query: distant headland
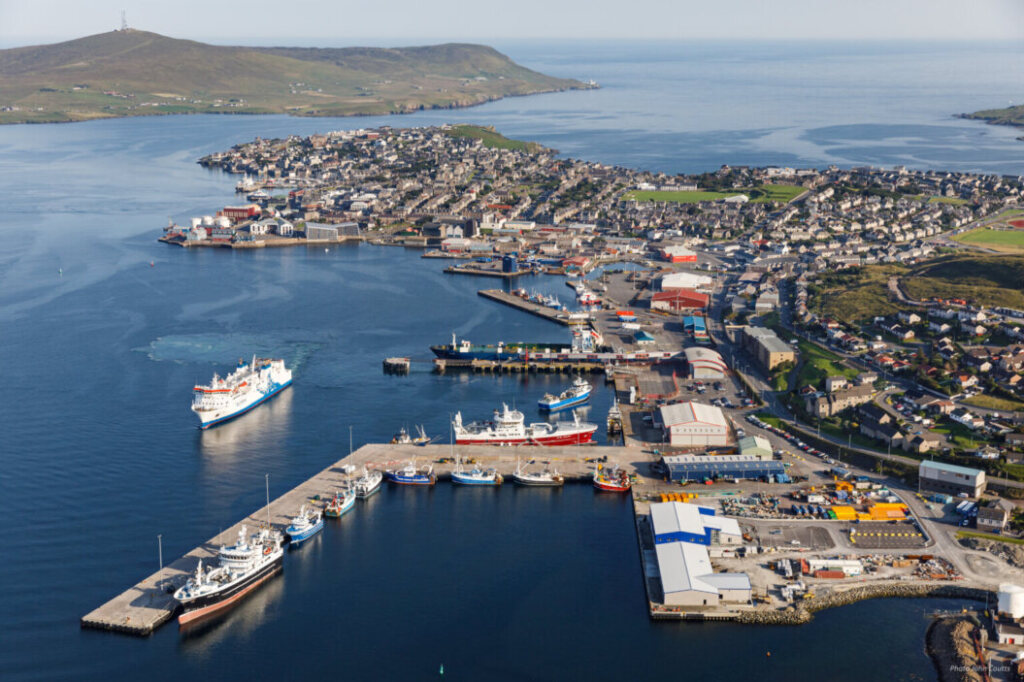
x,y
1008,116
135,73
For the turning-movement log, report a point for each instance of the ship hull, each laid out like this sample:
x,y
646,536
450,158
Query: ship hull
x,y
330,513
557,405
212,604
401,479
213,421
534,483
462,479
575,438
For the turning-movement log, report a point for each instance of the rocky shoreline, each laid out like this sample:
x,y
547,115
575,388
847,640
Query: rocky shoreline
x,y
804,611
950,645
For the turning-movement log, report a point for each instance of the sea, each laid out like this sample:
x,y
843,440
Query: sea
x,y
103,332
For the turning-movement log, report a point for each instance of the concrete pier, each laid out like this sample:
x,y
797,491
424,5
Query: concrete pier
x,y
149,604
558,316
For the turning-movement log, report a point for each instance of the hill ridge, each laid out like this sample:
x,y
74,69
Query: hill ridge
x,y
134,72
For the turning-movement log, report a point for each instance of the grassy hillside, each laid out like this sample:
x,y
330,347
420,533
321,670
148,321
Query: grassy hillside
x,y
491,138
855,294
985,280
131,73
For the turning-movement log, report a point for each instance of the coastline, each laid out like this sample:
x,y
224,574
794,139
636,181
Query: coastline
x,y
400,111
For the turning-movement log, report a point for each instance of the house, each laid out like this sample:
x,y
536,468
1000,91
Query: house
x,y
922,441
836,402
964,416
966,380
909,317
994,515
833,384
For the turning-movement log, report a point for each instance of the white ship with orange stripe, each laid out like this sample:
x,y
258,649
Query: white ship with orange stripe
x,y
237,393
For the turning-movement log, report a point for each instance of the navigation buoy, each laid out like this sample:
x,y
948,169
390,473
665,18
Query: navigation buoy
x,y
325,251
442,665
60,271
152,264
769,654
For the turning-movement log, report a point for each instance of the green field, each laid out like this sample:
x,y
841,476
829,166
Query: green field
x,y
491,138
818,364
760,194
989,536
992,402
948,200
1010,241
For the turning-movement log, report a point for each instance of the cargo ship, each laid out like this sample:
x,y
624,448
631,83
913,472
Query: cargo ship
x,y
244,566
508,427
240,391
585,347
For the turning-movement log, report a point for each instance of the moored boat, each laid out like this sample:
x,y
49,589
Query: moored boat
x,y
242,568
368,483
577,393
342,502
548,477
411,475
476,475
615,481
305,525
508,428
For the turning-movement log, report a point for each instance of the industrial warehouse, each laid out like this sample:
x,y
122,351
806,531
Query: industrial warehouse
x,y
694,425
682,535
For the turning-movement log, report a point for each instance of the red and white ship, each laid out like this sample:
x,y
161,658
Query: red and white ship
x,y
508,427
616,481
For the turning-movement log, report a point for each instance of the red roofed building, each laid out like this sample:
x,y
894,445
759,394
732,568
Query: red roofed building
x,y
679,300
239,213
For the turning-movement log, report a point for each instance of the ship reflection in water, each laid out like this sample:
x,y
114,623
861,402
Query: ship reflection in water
x,y
238,622
263,424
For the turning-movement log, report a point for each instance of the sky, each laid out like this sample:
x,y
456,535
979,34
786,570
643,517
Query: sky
x,y
404,22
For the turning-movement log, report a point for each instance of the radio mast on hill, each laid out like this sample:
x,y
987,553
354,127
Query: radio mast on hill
x,y
124,22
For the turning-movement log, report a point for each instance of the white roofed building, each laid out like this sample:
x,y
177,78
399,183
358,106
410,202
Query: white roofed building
x,y
685,280
694,425
705,363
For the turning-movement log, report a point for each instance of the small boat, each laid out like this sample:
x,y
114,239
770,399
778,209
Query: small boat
x,y
422,438
401,438
368,483
547,477
578,393
342,502
305,525
614,418
410,475
616,481
476,476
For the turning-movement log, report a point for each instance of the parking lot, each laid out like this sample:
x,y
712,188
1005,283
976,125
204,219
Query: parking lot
x,y
807,537
884,535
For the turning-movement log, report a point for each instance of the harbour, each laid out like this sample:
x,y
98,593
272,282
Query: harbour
x,y
148,604
528,573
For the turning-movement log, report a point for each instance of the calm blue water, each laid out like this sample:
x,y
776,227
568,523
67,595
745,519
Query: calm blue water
x,y
100,452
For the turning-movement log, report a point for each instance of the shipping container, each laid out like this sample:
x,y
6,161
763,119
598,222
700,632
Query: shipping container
x,y
829,574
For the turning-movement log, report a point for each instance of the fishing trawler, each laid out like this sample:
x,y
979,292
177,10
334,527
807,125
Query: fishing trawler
x,y
548,477
508,427
243,567
577,393
368,483
342,502
305,525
